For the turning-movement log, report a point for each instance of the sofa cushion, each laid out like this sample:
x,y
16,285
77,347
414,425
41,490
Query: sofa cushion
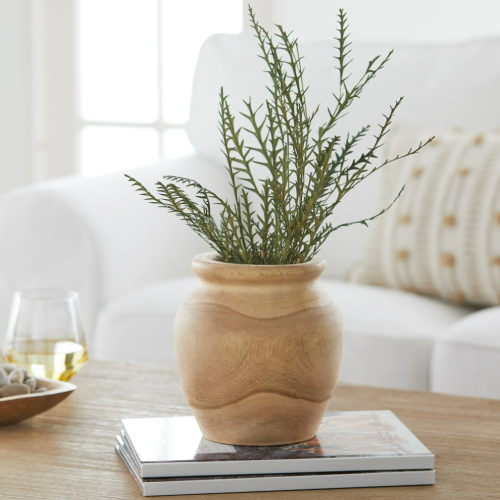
x,y
139,326
466,358
388,333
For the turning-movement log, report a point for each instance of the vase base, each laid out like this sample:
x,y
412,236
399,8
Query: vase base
x,y
262,419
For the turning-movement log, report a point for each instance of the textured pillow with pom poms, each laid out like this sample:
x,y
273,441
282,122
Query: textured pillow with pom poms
x,y
442,237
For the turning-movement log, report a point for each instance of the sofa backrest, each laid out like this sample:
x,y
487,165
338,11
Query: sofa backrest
x,y
445,86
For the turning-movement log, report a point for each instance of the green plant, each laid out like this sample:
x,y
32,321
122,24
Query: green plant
x,y
308,174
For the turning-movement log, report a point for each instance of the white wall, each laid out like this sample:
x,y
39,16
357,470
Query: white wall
x,y
15,94
15,107
387,20
54,87
37,90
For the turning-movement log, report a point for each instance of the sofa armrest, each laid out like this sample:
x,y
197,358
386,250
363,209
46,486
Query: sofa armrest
x,y
96,235
466,358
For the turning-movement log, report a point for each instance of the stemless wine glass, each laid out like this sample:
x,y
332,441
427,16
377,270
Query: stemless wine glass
x,y
45,333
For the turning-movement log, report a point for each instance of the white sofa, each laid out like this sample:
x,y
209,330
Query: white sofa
x,y
130,261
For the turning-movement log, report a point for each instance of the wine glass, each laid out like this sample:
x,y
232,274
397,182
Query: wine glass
x,y
45,333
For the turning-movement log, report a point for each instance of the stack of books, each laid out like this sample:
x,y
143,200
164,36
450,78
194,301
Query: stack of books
x,y
169,456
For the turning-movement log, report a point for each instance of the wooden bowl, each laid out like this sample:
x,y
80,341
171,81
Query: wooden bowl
x,y
18,408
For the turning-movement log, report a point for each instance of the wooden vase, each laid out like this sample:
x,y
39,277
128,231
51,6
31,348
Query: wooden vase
x,y
258,350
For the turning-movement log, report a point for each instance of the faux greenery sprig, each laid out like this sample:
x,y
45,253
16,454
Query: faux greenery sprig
x,y
308,173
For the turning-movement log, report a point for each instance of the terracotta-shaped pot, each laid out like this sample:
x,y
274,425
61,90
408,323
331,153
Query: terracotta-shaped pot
x,y
258,351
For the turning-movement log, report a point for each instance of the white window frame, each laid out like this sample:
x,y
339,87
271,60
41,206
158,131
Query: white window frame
x,y
58,123
160,125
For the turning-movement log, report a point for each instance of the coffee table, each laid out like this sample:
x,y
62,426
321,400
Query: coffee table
x,y
68,452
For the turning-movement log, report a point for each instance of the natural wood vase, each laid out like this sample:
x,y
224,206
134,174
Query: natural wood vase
x,y
258,351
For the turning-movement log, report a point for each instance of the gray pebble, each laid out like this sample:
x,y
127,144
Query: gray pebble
x,y
14,390
31,383
41,389
16,376
4,379
7,367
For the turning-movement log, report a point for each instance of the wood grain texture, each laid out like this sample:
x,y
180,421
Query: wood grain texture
x,y
258,350
68,452
19,408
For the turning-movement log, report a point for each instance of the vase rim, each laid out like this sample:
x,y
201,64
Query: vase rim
x,y
212,257
206,265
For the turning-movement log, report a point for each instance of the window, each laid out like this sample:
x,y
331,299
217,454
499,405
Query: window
x,y
136,65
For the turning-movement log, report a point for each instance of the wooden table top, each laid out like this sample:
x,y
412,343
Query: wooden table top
x,y
68,452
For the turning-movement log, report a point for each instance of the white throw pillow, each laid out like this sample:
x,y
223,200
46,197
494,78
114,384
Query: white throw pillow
x,y
442,237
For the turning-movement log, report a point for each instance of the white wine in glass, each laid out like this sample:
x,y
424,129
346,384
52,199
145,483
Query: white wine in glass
x,y
45,333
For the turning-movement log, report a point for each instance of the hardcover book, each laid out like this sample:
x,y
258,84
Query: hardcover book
x,y
345,442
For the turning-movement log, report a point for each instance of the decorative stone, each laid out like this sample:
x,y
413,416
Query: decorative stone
x,y
16,376
41,389
14,390
4,378
31,383
7,367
